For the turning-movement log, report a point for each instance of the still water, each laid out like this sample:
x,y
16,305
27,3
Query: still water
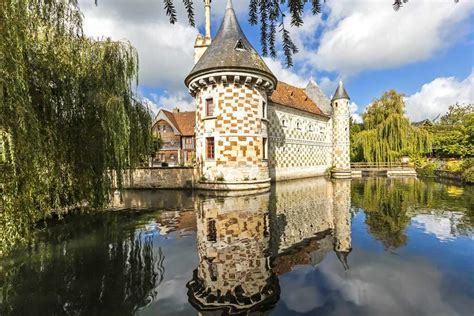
x,y
309,247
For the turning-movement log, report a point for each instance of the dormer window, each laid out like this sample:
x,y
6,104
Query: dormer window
x,y
239,45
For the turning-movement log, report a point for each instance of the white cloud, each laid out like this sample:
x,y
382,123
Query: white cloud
x,y
165,51
169,101
285,74
435,97
368,34
353,107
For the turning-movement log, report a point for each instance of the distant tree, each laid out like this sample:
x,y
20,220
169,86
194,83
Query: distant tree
x,y
387,132
355,128
453,134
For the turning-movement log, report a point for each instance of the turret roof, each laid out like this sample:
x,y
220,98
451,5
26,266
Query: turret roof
x,y
230,50
340,92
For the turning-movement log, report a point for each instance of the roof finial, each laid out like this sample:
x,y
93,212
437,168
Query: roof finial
x,y
229,5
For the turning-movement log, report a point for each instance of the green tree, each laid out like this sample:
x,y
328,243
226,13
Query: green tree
x,y
387,133
67,115
453,135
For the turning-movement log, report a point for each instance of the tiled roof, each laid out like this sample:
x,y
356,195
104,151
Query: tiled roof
x,y
186,122
294,97
170,117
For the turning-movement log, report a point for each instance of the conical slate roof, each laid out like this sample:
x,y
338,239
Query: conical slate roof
x,y
340,92
230,50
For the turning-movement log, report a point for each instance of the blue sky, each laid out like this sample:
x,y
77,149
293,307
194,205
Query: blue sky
x,y
425,50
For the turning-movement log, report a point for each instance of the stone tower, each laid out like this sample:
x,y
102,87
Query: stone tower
x,y
340,131
230,83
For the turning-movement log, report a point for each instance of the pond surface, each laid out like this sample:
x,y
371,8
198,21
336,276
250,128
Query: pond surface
x,y
309,247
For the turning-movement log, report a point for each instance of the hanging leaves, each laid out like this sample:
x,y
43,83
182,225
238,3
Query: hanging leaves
x,y
171,11
67,115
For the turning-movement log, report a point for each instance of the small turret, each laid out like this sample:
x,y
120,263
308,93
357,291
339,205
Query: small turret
x,y
340,131
202,42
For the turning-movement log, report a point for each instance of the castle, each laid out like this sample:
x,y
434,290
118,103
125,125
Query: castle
x,y
251,129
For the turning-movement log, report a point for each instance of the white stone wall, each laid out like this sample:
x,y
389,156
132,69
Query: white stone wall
x,y
300,143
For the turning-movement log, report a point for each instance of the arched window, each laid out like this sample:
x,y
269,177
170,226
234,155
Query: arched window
x,y
298,125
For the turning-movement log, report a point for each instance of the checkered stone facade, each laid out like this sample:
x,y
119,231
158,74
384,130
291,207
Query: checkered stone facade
x,y
300,143
341,152
237,128
233,237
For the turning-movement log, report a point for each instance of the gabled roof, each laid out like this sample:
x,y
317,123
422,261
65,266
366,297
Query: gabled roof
x,y
183,122
317,95
230,50
294,97
186,122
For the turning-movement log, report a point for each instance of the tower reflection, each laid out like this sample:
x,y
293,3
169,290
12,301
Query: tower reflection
x,y
245,242
234,274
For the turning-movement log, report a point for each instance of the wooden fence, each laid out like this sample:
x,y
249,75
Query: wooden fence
x,y
382,165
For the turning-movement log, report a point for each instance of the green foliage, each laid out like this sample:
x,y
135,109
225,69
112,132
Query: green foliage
x,y
387,133
67,115
428,170
356,153
467,174
453,166
453,135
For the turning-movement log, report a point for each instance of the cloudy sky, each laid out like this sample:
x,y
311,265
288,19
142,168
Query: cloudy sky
x,y
425,50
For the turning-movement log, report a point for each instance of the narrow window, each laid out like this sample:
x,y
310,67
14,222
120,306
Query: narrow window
x,y
265,149
210,147
283,123
211,230
264,109
209,107
298,125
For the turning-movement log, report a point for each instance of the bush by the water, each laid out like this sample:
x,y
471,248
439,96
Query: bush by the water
x,y
428,170
468,170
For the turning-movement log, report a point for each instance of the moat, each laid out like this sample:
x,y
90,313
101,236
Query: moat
x,y
372,246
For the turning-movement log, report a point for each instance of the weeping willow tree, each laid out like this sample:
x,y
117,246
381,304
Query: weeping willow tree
x,y
67,115
387,133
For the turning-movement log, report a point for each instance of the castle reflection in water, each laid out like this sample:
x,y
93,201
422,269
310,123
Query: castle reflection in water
x,y
245,242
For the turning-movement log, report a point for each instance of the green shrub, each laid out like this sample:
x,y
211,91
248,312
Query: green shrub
x,y
164,164
428,170
467,163
453,165
220,179
468,175
418,160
